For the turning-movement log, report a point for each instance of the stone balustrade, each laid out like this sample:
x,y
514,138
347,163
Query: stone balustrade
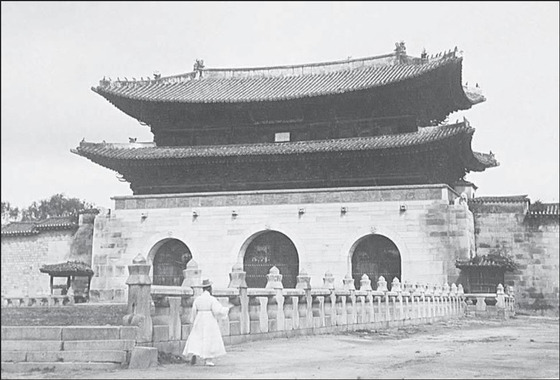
x,y
500,304
261,313
38,301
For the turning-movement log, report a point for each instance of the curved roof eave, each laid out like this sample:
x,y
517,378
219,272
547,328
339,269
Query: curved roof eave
x,y
149,152
276,88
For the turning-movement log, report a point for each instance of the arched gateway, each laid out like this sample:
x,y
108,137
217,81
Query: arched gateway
x,y
376,255
270,249
169,261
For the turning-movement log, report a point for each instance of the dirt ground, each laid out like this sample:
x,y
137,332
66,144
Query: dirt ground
x,y
522,347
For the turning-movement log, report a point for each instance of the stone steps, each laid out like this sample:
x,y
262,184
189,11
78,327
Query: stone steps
x,y
57,366
96,356
59,345
66,348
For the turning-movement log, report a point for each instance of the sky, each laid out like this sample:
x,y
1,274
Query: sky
x,y
54,52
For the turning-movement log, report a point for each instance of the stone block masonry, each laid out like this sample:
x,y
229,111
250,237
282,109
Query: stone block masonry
x,y
323,224
534,245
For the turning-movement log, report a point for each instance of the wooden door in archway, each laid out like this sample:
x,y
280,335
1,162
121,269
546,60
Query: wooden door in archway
x,y
169,262
376,255
270,249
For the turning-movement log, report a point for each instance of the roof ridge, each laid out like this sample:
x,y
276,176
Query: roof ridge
x,y
396,60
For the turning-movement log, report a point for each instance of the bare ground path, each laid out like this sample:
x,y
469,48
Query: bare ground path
x,y
523,347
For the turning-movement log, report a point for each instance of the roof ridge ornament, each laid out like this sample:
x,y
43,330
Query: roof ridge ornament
x,y
400,51
197,68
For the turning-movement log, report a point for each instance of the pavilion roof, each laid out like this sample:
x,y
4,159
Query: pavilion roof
x,y
69,268
107,154
35,227
286,82
489,261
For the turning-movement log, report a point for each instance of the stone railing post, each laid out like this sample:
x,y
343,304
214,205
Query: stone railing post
x,y
510,299
348,284
454,303
237,280
429,296
365,285
447,304
174,318
192,276
328,283
382,287
396,288
274,281
139,299
304,282
501,301
460,299
263,314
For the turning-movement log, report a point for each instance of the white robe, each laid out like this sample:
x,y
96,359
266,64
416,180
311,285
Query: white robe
x,y
205,339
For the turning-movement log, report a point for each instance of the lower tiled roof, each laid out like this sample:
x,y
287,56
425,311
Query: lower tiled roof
x,y
150,152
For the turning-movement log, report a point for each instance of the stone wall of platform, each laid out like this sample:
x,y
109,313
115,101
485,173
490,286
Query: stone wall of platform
x,y
429,231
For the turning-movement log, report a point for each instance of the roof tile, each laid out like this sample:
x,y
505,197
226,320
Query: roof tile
x,y
219,87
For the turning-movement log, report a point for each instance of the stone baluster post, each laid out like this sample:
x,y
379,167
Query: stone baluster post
x,y
447,308
328,283
348,284
424,307
396,287
500,301
304,282
382,287
430,291
274,281
139,299
192,276
406,297
453,296
460,299
174,318
263,314
237,280
510,299
365,285
438,299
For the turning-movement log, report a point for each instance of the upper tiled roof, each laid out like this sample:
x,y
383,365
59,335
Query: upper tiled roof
x,y
35,227
138,152
283,82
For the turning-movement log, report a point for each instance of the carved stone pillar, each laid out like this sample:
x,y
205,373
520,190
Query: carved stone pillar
x,y
139,299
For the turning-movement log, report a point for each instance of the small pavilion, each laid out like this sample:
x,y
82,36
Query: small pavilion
x,y
70,270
